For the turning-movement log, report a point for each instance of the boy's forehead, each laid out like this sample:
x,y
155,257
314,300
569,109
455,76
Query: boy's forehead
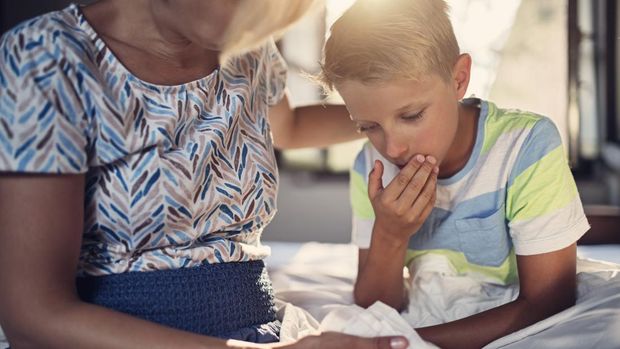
x,y
393,97
395,87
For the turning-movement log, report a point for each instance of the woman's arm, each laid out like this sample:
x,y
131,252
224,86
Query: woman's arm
x,y
547,286
40,237
41,219
310,126
400,210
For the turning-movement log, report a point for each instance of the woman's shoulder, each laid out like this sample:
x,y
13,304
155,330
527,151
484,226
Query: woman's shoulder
x,y
260,60
260,70
42,68
40,42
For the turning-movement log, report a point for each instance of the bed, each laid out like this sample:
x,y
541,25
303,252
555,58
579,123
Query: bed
x,y
318,278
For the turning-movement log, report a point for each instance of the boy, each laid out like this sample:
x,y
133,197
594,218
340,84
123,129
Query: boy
x,y
488,188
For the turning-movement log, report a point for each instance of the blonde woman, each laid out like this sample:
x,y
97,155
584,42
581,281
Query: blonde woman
x,y
136,154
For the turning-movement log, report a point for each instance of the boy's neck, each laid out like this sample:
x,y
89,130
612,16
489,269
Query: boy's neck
x,y
463,144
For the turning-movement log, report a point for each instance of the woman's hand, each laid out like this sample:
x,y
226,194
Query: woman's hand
x,y
333,340
329,340
402,207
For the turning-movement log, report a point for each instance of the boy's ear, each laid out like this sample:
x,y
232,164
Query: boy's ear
x,y
461,74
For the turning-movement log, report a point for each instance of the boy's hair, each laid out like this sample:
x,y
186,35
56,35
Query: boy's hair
x,y
381,40
255,21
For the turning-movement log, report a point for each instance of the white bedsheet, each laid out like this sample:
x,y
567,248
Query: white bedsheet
x,y
319,278
313,280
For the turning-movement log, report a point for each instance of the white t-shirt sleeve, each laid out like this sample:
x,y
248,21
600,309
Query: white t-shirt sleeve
x,y
543,207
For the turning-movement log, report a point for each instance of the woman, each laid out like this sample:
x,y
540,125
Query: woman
x,y
134,160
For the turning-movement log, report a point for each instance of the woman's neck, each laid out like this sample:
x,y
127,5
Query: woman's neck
x,y
145,38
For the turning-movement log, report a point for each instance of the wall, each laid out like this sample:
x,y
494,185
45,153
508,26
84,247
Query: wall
x,y
311,209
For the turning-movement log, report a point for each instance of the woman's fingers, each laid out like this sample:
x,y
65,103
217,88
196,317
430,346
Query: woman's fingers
x,y
384,343
334,340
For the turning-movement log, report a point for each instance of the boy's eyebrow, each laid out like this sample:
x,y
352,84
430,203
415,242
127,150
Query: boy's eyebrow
x,y
361,121
398,111
407,107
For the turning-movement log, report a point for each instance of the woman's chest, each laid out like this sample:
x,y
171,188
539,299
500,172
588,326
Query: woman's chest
x,y
198,161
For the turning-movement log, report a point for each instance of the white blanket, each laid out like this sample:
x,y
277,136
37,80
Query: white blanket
x,y
377,320
314,284
319,278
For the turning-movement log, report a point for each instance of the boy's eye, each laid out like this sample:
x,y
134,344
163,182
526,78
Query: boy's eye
x,y
413,116
365,128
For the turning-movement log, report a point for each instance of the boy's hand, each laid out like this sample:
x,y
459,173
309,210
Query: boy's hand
x,y
402,207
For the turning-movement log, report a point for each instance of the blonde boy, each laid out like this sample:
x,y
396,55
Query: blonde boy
x,y
488,188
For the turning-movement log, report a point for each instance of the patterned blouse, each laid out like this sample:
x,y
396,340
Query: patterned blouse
x,y
176,176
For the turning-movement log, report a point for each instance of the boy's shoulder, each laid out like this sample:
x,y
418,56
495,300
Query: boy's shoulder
x,y
509,125
510,117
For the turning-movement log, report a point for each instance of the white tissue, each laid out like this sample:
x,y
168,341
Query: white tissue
x,y
378,320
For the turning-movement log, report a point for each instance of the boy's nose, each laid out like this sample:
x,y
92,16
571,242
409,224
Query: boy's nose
x,y
395,150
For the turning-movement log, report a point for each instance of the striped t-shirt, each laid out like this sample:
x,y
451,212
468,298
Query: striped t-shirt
x,y
515,195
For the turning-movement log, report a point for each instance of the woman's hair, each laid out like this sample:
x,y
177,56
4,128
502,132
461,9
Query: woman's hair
x,y
381,40
256,20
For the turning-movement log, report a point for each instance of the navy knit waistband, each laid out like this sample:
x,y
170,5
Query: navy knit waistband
x,y
212,299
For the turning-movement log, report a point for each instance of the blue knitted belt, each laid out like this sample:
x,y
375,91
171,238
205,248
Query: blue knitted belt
x,y
227,300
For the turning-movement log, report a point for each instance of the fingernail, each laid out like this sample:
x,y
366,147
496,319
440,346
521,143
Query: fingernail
x,y
436,169
398,343
420,158
431,160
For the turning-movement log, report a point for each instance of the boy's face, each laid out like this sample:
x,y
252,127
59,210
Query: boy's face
x,y
403,118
